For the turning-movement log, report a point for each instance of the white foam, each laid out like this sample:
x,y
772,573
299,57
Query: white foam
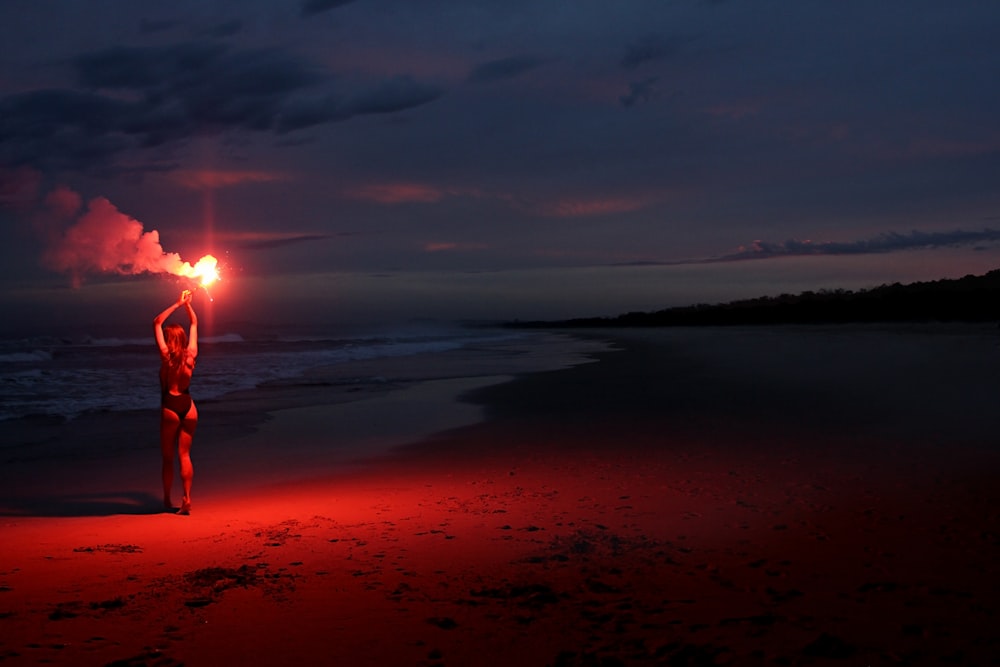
x,y
25,357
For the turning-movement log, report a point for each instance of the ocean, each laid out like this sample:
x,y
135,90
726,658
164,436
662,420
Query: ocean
x,y
65,377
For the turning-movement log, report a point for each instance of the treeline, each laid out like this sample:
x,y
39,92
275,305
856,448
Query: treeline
x,y
968,299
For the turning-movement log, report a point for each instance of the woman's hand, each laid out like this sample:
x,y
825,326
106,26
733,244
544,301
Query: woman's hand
x,y
186,297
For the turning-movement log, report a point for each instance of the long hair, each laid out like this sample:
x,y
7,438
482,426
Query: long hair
x,y
177,340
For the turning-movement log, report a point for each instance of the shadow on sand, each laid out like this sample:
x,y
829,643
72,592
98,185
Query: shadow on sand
x,y
86,504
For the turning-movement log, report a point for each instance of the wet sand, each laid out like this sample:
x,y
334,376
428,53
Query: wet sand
x,y
694,497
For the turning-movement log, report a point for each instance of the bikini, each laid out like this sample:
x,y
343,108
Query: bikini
x,y
179,404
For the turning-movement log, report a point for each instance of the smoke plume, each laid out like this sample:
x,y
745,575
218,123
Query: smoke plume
x,y
105,240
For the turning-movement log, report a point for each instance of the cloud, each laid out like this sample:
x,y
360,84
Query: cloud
x,y
639,91
398,193
148,96
151,26
204,87
142,97
145,68
396,94
650,48
585,207
213,179
61,127
313,7
505,68
450,246
389,96
19,188
227,29
734,110
884,243
269,240
934,147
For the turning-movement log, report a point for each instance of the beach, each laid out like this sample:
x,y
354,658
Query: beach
x,y
703,496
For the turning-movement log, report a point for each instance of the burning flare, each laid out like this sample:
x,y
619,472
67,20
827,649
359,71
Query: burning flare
x,y
206,270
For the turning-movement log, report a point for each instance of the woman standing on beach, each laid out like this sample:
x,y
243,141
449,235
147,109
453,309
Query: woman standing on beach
x,y
178,414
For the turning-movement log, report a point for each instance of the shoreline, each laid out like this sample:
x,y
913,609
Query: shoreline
x,y
233,443
647,508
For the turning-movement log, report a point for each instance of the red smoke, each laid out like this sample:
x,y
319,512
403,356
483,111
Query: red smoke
x,y
105,240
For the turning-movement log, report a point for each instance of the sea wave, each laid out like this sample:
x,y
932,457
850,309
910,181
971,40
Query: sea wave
x,y
224,338
25,357
116,342
68,379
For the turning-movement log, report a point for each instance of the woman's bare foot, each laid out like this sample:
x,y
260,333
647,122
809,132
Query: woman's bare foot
x,y
185,508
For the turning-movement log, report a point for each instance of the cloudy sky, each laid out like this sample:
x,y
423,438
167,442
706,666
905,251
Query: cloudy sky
x,y
377,160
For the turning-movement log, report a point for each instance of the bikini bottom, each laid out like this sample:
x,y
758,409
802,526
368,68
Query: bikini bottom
x,y
177,403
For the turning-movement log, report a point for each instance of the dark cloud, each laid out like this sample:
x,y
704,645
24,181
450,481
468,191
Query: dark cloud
x,y
61,127
504,68
244,90
19,188
305,111
219,30
390,96
195,88
227,29
34,113
884,243
639,91
146,68
187,71
150,96
313,7
266,244
150,27
649,48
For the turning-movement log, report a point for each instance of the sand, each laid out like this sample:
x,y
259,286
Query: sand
x,y
692,497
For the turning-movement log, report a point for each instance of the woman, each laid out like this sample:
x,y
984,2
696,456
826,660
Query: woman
x,y
178,414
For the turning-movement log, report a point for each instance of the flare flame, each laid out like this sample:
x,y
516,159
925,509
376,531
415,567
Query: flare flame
x,y
206,270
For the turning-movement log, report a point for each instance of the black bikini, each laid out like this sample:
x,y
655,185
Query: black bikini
x,y
176,403
179,404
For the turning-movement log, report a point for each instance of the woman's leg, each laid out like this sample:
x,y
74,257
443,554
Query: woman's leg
x,y
169,427
184,439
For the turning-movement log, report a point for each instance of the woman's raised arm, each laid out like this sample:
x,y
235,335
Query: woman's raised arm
x,y
187,298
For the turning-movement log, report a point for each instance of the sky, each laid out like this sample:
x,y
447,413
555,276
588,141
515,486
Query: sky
x,y
353,162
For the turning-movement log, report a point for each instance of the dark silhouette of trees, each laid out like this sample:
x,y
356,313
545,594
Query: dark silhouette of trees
x,y
968,299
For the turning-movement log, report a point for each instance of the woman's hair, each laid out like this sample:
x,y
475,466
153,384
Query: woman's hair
x,y
177,340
